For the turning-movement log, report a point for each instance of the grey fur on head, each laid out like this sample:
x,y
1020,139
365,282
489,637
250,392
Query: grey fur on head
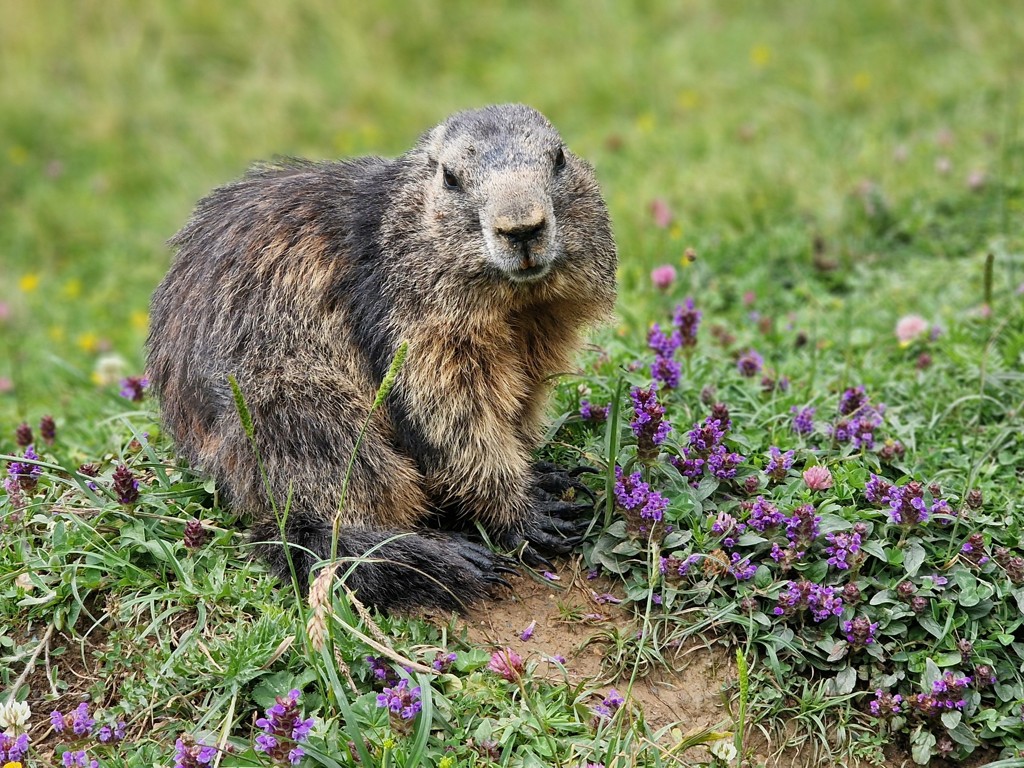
x,y
488,248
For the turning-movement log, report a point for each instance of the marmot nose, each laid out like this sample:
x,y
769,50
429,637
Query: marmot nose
x,y
522,231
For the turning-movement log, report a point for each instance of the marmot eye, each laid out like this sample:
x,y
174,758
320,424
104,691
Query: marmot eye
x,y
560,159
450,181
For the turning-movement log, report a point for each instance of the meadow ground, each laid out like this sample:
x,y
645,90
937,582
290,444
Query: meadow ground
x,y
834,168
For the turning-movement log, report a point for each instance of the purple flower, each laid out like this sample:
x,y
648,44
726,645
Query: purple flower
x,y
877,490
687,321
81,722
24,473
634,495
821,601
189,754
527,633
13,748
841,547
663,344
443,662
57,721
667,371
401,700
750,363
594,413
764,514
802,525
282,728
648,421
885,704
381,670
741,568
609,705
803,420
779,463
126,487
134,388
860,632
852,400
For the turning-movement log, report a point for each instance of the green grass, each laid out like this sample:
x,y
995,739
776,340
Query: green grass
x,y
803,152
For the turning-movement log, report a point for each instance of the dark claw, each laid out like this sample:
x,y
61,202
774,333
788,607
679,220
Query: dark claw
x,y
583,470
534,559
561,510
498,581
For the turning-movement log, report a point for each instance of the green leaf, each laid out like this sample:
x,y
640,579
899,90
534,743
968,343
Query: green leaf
x,y
846,680
922,746
951,719
913,558
762,577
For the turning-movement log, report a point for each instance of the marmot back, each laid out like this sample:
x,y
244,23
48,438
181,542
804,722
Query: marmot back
x,y
487,247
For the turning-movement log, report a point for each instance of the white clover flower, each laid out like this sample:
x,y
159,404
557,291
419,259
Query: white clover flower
x,y
14,716
724,750
109,370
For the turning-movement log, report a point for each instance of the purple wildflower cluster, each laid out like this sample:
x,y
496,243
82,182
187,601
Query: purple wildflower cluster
x,y
973,550
749,363
1012,564
822,601
947,694
858,419
126,486
860,631
648,422
677,566
134,388
779,464
13,749
844,547
593,413
78,759
763,514
686,321
283,730
907,503
191,754
803,420
381,670
443,662
23,475
79,725
401,700
886,704
705,451
635,496
609,705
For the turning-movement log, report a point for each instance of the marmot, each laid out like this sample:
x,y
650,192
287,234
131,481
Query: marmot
x,y
488,248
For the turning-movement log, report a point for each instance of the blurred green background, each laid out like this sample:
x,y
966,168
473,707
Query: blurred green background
x,y
814,137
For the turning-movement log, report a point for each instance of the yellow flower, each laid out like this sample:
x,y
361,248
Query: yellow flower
x,y
12,765
72,289
56,333
675,232
760,56
140,320
645,122
88,341
29,282
861,82
17,155
688,99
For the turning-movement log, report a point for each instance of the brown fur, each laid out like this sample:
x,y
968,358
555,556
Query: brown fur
x,y
303,279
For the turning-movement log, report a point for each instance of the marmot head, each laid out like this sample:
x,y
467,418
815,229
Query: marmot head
x,y
505,193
